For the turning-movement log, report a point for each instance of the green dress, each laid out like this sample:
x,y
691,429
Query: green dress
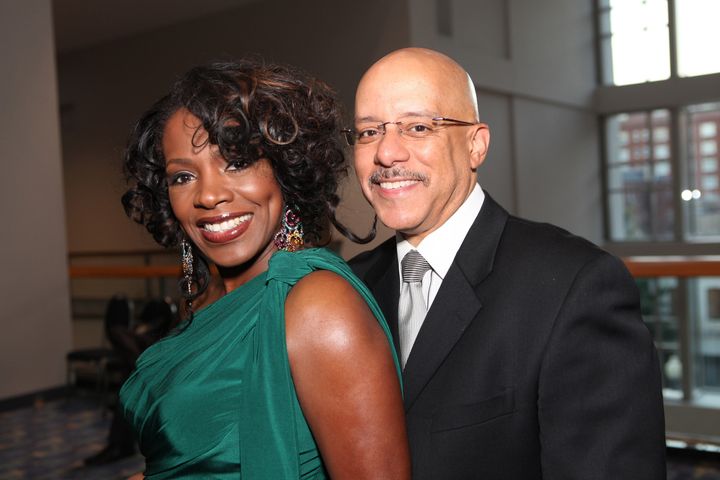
x,y
217,400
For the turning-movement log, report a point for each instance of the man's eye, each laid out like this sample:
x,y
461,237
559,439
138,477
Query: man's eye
x,y
368,132
419,129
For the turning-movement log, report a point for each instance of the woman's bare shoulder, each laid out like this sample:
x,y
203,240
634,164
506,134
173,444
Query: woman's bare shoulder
x,y
324,310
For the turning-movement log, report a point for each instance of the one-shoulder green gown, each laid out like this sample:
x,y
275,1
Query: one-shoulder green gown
x,y
217,400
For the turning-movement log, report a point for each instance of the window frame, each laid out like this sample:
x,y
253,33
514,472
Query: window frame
x,y
674,94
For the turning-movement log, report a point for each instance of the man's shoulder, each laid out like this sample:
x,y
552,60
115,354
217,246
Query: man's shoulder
x,y
547,241
382,254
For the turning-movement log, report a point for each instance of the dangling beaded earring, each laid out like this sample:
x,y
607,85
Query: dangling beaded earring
x,y
290,236
187,267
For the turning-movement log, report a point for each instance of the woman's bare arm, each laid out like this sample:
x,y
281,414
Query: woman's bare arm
x,y
346,380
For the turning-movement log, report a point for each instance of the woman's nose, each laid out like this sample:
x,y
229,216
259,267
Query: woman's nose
x,y
211,192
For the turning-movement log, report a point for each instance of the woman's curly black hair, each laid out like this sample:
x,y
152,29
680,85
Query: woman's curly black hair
x,y
250,110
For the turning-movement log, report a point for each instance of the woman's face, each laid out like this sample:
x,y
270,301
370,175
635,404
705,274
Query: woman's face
x,y
229,213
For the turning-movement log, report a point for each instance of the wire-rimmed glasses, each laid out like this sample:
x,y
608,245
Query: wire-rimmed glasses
x,y
415,128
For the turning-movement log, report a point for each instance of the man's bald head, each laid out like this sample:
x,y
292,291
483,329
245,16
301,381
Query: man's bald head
x,y
416,66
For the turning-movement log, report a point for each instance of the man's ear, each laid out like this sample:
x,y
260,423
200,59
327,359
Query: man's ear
x,y
479,144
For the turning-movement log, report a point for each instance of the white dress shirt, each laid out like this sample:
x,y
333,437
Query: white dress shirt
x,y
440,247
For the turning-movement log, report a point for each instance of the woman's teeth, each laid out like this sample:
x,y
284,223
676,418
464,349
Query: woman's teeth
x,y
227,224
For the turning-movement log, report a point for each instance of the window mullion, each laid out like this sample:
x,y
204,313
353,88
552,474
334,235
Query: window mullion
x,y
672,33
677,157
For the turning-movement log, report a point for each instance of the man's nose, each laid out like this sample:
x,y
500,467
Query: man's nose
x,y
391,147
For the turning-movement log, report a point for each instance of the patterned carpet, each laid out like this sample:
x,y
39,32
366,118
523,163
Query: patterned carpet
x,y
50,440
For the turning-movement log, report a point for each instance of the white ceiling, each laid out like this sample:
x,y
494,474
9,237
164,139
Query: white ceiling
x,y
82,23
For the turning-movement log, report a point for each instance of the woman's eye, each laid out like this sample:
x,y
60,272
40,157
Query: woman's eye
x,y
235,166
180,178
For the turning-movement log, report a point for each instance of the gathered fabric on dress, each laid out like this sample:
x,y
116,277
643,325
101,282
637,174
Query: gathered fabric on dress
x,y
216,399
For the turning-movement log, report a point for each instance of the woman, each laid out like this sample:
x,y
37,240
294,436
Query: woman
x,y
290,374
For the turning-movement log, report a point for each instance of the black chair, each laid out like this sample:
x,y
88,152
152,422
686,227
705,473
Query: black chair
x,y
101,360
156,318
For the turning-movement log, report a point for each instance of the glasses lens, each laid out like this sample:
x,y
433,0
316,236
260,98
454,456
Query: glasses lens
x,y
418,128
364,135
350,136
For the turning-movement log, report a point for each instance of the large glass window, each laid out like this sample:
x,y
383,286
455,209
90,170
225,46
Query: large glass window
x,y
662,171
664,310
706,334
635,41
658,300
640,176
703,209
698,36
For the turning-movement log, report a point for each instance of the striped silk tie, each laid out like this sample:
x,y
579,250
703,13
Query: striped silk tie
x,y
412,308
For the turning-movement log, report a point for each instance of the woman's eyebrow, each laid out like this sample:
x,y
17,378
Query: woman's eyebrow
x,y
178,160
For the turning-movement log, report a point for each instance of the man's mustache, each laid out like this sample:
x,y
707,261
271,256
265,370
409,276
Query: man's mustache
x,y
396,172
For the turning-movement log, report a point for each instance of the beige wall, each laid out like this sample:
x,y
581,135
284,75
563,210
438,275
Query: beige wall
x,y
533,65
34,294
104,89
529,62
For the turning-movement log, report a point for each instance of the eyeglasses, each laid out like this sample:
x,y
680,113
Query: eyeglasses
x,y
414,128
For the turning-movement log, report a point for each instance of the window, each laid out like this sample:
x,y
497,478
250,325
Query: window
x,y
709,182
651,183
703,213
639,188
663,192
624,138
662,152
658,303
697,37
705,292
707,130
640,135
709,164
661,134
662,171
635,41
708,147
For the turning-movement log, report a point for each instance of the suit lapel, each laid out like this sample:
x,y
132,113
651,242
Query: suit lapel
x,y
384,283
457,302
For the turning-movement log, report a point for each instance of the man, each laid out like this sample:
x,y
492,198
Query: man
x,y
524,353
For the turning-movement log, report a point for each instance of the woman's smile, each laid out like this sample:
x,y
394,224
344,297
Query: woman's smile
x,y
224,228
230,212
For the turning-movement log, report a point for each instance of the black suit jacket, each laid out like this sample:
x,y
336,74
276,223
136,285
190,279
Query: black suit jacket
x,y
533,361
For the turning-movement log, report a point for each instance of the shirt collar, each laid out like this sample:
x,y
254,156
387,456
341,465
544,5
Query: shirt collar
x,y
439,247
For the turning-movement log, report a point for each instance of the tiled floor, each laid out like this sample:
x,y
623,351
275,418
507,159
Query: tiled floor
x,y
50,440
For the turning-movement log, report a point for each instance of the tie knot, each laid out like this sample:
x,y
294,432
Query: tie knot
x,y
414,267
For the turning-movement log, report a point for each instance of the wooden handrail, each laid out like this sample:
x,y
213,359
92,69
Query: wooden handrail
x,y
673,266
665,266
124,271
121,253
